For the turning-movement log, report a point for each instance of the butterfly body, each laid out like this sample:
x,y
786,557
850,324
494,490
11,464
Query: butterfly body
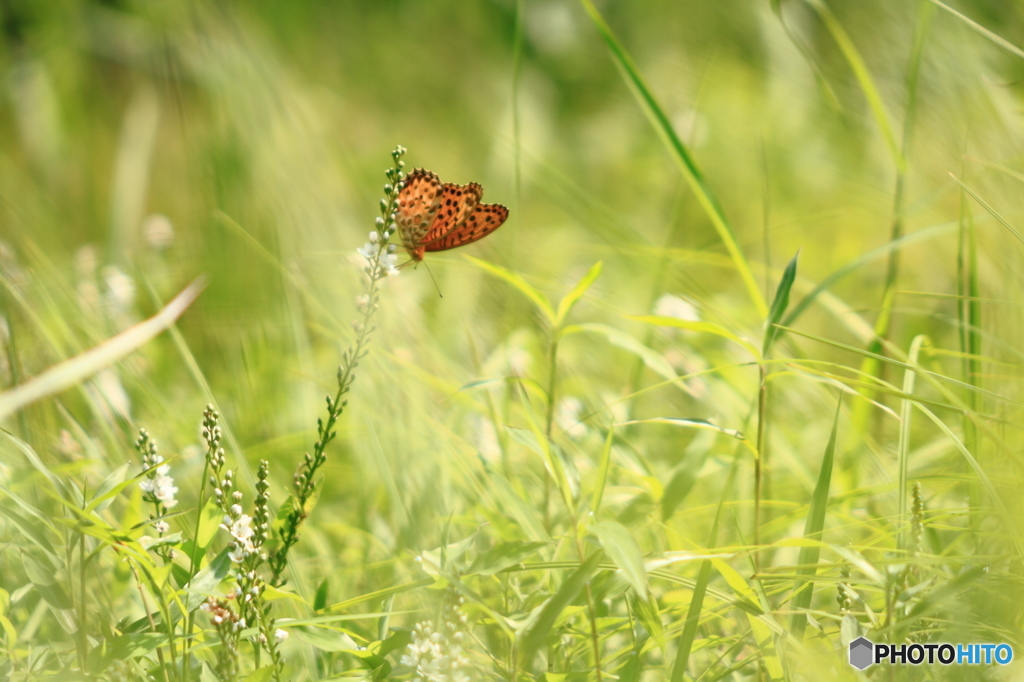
x,y
436,217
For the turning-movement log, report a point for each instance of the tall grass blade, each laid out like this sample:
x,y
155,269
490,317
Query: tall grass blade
x,y
535,635
998,40
813,527
864,79
64,375
779,305
688,166
903,447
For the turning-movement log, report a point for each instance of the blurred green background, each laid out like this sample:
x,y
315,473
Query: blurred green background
x,y
145,143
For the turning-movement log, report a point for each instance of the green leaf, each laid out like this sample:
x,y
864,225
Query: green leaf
x,y
680,154
619,338
779,305
694,326
264,674
942,594
813,527
990,210
209,522
700,588
502,556
863,76
68,373
206,580
111,486
133,645
620,545
538,631
682,482
538,299
320,600
602,471
567,303
983,31
326,639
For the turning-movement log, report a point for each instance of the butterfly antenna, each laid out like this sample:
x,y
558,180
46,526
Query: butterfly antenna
x,y
432,279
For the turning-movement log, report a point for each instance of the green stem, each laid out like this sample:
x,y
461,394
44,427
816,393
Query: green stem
x,y
185,653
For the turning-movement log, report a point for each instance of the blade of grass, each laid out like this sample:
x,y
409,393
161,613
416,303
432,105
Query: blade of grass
x,y
681,155
570,299
982,30
66,374
808,562
903,449
863,76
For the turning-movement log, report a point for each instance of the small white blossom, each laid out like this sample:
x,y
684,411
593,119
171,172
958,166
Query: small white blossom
x,y
567,416
389,262
161,527
367,251
670,305
374,237
280,635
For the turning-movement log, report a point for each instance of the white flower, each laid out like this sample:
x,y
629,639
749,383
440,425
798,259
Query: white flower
x,y
120,287
280,635
374,237
158,230
367,251
165,491
567,416
389,262
670,305
161,527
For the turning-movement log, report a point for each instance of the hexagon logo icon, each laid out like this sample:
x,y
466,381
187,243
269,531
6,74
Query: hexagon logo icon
x,y
861,653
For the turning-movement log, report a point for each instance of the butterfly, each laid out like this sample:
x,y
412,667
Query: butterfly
x,y
437,217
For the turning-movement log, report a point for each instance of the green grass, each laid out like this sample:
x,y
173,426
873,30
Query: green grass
x,y
635,437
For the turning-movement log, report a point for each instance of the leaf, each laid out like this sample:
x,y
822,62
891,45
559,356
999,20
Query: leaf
x,y
264,674
682,482
133,645
863,76
813,527
325,639
206,580
570,299
111,486
602,471
502,556
990,210
700,589
320,600
619,338
779,305
982,30
680,154
538,631
538,299
694,326
73,371
620,545
941,595
209,522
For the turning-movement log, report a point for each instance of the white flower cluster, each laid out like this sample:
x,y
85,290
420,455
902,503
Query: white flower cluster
x,y
436,656
240,527
388,259
158,484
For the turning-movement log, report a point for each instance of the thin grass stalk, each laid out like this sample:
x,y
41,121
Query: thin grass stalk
x,y
190,620
903,449
892,273
550,417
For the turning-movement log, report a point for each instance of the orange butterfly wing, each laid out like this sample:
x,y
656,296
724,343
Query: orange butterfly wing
x,y
418,205
457,203
484,219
